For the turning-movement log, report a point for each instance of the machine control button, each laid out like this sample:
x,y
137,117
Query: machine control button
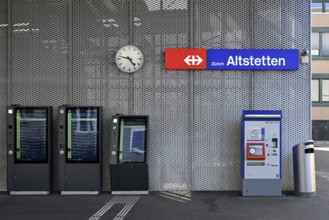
x,y
61,152
61,146
114,153
10,152
252,151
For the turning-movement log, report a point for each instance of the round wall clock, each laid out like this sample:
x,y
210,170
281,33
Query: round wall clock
x,y
129,59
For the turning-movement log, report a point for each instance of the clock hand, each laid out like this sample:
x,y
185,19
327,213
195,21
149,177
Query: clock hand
x,y
131,61
128,58
125,57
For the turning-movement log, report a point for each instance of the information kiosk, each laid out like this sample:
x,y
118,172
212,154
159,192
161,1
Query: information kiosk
x,y
28,150
80,169
261,153
128,162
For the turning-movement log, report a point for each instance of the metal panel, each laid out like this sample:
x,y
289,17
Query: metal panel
x,y
3,94
219,97
62,52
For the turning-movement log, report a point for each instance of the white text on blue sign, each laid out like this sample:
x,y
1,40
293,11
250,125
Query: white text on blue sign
x,y
252,59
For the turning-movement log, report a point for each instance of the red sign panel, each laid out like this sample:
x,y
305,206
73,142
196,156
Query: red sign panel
x,y
185,59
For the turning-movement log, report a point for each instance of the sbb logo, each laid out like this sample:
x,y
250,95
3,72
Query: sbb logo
x,y
185,59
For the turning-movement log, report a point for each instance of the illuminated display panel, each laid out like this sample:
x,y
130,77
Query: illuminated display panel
x,y
82,135
31,135
132,147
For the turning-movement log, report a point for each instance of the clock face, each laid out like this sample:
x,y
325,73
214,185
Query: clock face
x,y
129,59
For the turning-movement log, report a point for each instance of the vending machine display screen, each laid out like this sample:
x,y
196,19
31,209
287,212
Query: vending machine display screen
x,y
82,135
132,140
31,129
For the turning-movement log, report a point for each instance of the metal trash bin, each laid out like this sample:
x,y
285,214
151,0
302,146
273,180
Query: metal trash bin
x,y
304,169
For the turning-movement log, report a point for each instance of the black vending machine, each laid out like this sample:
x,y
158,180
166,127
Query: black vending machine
x,y
128,160
28,150
80,164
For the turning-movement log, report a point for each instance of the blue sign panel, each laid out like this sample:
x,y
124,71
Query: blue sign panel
x,y
252,59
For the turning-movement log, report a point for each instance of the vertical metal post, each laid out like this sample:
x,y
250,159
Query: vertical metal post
x,y
8,80
191,90
70,69
252,35
324,7
130,41
309,69
130,22
9,74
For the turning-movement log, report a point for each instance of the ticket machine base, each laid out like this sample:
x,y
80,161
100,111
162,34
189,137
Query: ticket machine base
x,y
261,187
129,178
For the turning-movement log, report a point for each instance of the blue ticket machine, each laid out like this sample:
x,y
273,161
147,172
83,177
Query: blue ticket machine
x,y
261,153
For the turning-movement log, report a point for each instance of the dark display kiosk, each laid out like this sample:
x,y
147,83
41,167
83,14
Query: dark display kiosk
x,y
29,153
80,169
128,161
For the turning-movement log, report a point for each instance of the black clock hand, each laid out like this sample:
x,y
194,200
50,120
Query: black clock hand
x,y
125,57
131,61
128,58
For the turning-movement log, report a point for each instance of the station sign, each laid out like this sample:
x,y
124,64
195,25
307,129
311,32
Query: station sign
x,y
252,59
231,59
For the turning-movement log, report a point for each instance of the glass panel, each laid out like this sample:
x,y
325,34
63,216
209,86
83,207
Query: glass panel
x,y
31,135
315,90
325,90
315,43
315,52
325,44
82,135
315,40
132,140
318,7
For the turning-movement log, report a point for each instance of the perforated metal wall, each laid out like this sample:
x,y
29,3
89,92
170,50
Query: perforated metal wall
x,y
164,95
220,97
3,93
284,24
39,58
62,52
99,29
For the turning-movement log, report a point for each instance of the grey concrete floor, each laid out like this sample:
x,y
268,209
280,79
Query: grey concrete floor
x,y
175,205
